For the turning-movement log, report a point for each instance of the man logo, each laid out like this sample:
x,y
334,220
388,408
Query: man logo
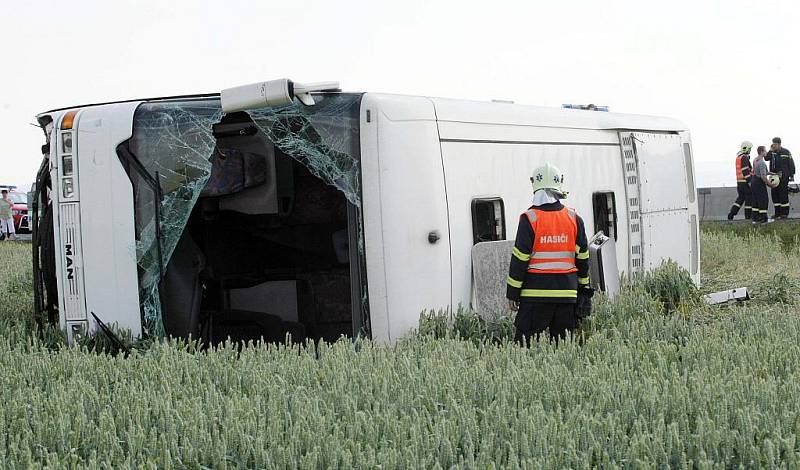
x,y
68,255
544,239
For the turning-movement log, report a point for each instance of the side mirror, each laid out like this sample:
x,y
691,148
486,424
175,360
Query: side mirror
x,y
271,93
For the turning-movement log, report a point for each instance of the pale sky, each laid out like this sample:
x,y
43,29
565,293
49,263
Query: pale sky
x,y
729,69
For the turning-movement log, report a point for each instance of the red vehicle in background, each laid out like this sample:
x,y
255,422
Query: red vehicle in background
x,y
20,211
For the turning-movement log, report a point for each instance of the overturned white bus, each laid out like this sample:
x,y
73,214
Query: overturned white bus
x,y
324,213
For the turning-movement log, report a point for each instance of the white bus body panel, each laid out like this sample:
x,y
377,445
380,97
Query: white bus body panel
x,y
489,150
107,217
665,175
404,201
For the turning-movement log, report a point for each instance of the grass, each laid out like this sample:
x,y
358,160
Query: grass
x,y
785,231
659,379
766,259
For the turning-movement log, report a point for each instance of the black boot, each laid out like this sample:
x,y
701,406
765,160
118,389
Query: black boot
x,y
734,210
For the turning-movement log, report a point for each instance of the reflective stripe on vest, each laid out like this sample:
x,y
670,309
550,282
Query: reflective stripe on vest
x,y
549,293
555,234
553,254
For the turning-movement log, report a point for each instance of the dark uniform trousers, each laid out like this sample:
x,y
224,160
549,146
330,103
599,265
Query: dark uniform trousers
x,y
535,317
744,197
760,200
780,198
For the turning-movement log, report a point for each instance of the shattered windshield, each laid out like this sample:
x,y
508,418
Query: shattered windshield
x,y
171,147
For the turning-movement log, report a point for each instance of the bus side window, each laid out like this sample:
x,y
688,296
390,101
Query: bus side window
x,y
488,220
605,214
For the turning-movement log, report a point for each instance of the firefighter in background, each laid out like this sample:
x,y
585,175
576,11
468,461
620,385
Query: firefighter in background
x,y
759,184
744,172
548,280
781,164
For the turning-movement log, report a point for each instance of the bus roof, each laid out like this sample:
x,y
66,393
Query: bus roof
x,y
457,110
160,98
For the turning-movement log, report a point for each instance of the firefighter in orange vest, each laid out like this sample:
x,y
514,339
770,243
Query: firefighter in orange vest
x,y
744,173
548,280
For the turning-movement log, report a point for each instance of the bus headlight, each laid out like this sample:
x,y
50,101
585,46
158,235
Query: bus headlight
x,y
66,142
66,183
66,165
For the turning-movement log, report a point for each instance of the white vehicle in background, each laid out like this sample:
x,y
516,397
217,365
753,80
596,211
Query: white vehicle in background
x,y
276,208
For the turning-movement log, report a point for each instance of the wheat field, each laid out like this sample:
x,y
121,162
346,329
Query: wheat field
x,y
654,379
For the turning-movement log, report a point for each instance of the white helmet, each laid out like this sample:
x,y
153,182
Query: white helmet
x,y
548,176
775,180
746,146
